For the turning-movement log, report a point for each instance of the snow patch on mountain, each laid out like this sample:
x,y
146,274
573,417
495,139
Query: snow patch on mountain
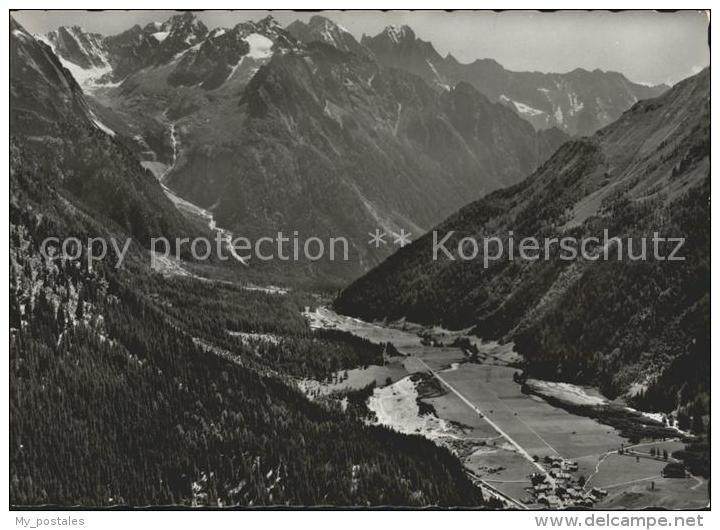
x,y
161,35
327,33
100,125
575,104
260,46
438,78
522,108
395,33
88,44
527,109
38,36
23,35
234,68
87,78
333,112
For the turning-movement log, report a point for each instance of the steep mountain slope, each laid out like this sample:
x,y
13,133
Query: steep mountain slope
x,y
143,103
52,121
399,47
129,51
142,78
578,102
182,49
83,49
248,45
321,29
271,133
115,399
326,143
115,402
625,325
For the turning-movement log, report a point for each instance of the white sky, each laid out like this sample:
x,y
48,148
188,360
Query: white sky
x,y
646,46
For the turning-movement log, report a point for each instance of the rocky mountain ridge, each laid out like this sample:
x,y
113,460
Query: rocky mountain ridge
x,y
273,128
578,102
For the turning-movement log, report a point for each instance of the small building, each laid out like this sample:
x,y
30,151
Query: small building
x,y
560,475
598,493
553,501
574,493
570,466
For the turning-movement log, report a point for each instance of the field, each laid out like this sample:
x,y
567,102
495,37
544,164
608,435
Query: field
x,y
502,468
451,408
541,429
500,434
674,494
616,470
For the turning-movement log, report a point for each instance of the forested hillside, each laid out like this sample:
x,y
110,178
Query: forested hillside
x,y
123,394
639,328
115,391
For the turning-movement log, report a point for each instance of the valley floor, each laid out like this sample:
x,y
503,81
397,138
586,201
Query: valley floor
x,y
502,435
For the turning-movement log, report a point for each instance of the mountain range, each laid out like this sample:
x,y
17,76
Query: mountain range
x,y
578,102
274,128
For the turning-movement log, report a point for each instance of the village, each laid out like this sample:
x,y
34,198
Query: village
x,y
564,490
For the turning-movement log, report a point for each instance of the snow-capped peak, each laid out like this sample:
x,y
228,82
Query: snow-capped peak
x,y
397,34
83,54
186,27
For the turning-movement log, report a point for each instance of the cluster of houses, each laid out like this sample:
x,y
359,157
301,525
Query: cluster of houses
x,y
562,489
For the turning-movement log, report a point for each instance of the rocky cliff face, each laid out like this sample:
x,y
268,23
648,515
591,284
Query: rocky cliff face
x,y
321,29
87,50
